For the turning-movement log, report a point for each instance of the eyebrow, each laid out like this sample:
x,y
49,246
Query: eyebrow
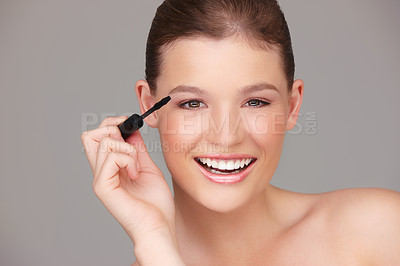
x,y
185,88
244,90
258,87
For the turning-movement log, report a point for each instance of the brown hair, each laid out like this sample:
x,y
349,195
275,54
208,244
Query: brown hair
x,y
260,22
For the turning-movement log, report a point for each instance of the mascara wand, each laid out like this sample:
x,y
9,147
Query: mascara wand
x,y
135,121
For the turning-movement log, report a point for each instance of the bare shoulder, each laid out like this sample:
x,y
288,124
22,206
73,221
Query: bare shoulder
x,y
366,218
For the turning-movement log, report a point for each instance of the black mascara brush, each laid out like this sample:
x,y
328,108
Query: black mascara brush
x,y
135,121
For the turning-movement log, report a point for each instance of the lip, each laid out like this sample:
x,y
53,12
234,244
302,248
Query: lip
x,y
223,156
226,179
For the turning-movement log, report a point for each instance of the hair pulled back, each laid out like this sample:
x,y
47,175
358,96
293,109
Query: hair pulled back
x,y
260,22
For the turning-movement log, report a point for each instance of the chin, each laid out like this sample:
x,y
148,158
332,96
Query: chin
x,y
214,197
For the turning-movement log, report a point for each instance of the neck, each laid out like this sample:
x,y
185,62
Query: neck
x,y
242,231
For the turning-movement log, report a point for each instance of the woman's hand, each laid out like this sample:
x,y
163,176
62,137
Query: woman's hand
x,y
128,183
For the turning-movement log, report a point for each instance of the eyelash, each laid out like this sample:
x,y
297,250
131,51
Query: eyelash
x,y
187,102
261,102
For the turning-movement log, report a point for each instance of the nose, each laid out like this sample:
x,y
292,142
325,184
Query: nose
x,y
225,127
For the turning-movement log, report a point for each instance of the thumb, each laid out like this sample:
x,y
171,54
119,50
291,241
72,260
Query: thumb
x,y
145,162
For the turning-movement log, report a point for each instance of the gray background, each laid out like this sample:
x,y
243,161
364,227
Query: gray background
x,y
63,60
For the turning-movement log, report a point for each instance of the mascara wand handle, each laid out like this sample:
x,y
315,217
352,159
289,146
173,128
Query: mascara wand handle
x,y
130,125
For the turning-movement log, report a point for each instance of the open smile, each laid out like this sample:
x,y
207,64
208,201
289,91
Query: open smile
x,y
225,170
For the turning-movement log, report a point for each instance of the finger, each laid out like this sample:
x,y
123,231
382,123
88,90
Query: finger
x,y
113,121
109,178
108,145
91,140
145,161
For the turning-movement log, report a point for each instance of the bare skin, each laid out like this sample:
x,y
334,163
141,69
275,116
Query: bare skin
x,y
343,227
247,223
261,226
334,228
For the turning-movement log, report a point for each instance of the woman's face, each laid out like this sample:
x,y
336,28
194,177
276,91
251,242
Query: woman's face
x,y
229,110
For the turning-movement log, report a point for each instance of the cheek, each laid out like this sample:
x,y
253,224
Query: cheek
x,y
266,123
180,130
267,130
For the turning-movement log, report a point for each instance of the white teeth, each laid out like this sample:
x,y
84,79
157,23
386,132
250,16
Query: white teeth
x,y
222,165
225,164
230,165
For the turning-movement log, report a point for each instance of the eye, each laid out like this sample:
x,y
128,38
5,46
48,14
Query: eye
x,y
256,103
192,104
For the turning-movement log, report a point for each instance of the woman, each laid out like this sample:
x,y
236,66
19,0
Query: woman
x,y
228,66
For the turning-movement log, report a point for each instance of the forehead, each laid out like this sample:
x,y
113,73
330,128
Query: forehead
x,y
228,62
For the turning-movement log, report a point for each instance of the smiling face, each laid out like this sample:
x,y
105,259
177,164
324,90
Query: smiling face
x,y
223,130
